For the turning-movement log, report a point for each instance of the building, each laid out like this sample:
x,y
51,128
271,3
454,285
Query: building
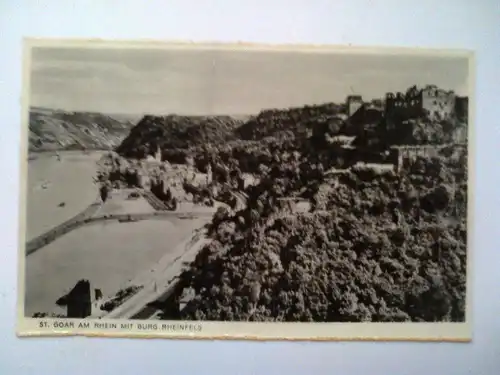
x,y
158,154
209,178
438,103
353,103
363,117
365,123
404,156
430,100
460,134
377,104
250,180
154,158
462,108
78,301
404,106
294,205
143,180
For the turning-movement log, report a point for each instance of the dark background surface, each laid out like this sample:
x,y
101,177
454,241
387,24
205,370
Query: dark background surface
x,y
447,24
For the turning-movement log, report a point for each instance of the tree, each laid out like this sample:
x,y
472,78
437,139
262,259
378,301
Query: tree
x,y
168,195
174,204
221,214
104,193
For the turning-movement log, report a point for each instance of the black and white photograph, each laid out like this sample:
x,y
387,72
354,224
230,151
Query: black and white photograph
x,y
211,189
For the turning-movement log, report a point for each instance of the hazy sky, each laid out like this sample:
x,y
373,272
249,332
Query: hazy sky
x,y
132,81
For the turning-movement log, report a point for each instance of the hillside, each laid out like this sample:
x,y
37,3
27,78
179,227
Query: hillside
x,y
250,141
177,132
297,122
375,246
59,130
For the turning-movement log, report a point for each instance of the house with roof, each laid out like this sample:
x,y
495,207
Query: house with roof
x,y
353,103
365,123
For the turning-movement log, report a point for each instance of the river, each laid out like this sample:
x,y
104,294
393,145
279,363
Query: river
x,y
58,190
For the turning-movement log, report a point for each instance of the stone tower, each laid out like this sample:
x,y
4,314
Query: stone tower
x,y
78,300
158,154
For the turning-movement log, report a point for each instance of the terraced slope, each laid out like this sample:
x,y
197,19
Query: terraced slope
x,y
59,130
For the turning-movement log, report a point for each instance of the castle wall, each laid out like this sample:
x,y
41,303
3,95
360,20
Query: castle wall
x,y
437,102
294,205
399,106
460,134
403,156
462,108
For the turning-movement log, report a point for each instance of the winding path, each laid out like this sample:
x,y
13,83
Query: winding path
x,y
242,199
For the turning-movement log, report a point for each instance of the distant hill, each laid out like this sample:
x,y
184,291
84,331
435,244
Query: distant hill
x,y
51,129
298,121
177,132
185,132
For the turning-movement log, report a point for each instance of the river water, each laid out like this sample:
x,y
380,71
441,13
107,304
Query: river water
x,y
58,190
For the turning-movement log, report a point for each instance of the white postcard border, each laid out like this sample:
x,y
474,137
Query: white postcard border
x,y
29,327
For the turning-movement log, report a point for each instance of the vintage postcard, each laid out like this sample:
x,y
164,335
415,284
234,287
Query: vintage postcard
x,y
185,190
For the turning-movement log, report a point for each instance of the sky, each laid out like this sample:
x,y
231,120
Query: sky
x,y
207,82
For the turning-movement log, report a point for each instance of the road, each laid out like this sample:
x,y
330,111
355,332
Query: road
x,y
159,280
164,277
242,200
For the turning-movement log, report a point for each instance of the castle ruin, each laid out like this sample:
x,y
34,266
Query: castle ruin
x,y
432,101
